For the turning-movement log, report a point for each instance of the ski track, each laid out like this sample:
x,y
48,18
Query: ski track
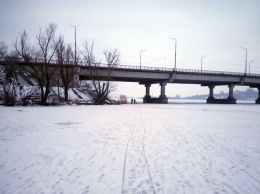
x,y
126,150
145,157
169,149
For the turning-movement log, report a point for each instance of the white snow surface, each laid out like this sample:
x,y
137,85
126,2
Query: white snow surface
x,y
140,148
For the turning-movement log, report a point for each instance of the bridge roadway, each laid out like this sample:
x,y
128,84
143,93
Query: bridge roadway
x,y
154,75
159,75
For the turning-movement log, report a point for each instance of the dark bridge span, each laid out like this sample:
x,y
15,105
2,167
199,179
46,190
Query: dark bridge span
x,y
155,75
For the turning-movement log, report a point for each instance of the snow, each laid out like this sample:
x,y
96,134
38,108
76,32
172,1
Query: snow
x,y
140,148
72,94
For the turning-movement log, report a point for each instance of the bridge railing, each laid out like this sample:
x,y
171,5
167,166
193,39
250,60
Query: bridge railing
x,y
178,70
208,72
147,68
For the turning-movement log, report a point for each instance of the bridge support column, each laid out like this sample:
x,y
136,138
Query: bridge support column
x,y
231,91
163,84
147,91
258,99
147,97
162,98
211,94
231,99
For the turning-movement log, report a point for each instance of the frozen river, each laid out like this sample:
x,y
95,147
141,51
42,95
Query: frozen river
x,y
141,148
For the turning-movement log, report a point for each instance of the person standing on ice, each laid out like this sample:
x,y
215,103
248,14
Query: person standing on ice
x,y
132,101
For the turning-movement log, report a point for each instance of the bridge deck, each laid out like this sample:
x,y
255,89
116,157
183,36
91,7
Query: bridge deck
x,y
129,73
170,75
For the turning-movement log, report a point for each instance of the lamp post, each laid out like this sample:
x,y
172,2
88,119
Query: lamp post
x,y
75,60
201,61
141,58
249,65
246,59
175,53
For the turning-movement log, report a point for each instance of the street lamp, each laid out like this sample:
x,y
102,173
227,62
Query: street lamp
x,y
75,43
201,62
141,58
249,65
175,53
246,59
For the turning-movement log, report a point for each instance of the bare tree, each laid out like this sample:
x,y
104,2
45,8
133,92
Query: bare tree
x,y
66,67
3,54
8,78
28,93
3,50
7,81
40,58
9,87
12,76
100,75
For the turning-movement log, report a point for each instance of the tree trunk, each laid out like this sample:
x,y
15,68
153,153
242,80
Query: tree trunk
x,y
66,94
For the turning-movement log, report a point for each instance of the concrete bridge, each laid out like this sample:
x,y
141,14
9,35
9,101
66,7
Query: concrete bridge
x,y
156,75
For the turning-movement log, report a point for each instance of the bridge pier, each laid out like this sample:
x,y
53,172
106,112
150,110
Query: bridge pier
x,y
211,94
229,100
231,92
162,98
147,97
163,84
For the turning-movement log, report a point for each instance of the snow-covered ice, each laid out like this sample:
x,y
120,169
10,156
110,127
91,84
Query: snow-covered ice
x,y
141,148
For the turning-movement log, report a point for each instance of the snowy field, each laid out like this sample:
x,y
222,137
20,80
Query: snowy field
x,y
141,148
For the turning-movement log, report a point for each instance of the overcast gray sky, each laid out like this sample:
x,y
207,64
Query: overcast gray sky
x,y
216,28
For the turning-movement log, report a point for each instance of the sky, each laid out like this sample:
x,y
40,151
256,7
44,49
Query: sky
x,y
217,29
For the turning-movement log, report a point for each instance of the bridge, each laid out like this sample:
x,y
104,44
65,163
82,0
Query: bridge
x,y
157,75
